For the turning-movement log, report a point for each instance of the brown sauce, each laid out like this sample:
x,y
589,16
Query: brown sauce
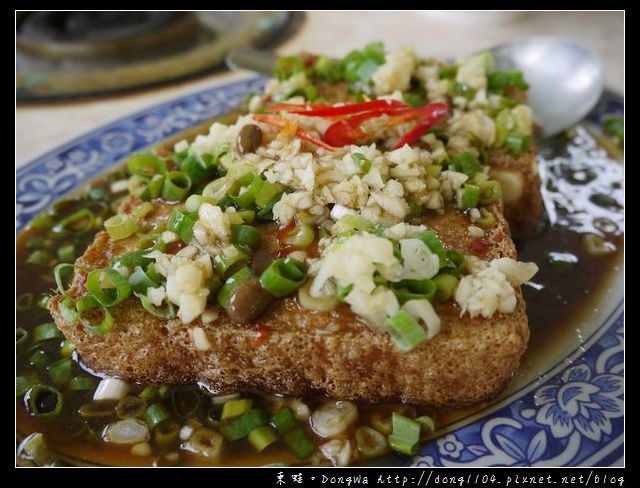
x,y
571,283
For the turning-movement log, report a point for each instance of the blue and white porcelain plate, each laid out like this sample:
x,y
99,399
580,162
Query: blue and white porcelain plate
x,y
571,415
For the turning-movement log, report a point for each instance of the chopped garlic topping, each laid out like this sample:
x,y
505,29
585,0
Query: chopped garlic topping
x,y
490,287
420,263
200,340
395,73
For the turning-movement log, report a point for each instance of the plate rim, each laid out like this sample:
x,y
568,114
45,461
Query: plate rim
x,y
444,450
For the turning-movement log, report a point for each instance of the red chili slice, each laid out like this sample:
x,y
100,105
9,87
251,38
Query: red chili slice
x,y
479,246
262,334
319,110
302,134
430,116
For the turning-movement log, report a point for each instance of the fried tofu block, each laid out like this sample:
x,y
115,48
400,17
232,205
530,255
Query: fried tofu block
x,y
332,353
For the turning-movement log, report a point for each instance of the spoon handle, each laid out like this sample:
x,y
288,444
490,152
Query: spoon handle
x,y
247,58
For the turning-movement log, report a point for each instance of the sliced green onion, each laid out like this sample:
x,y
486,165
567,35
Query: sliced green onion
x,y
301,236
44,401
205,442
469,196
227,263
245,235
446,285
142,210
176,186
322,303
77,223
39,242
427,423
243,426
82,383
117,293
46,331
262,437
165,313
39,358
454,262
517,142
406,290
194,202
131,407
414,99
343,291
24,301
132,259
196,168
182,224
236,408
149,393
357,222
146,165
40,258
68,310
286,66
268,195
120,227
490,191
66,348
465,162
370,442
96,409
405,437
151,190
253,184
283,276
43,301
166,432
88,303
457,89
405,331
42,221
67,253
283,420
497,81
487,219
434,244
60,371
299,443
361,162
22,339
62,273
613,125
155,414
185,401
137,185
25,382
139,281
234,281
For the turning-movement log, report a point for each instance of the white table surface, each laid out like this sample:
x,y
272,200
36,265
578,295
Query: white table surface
x,y
41,127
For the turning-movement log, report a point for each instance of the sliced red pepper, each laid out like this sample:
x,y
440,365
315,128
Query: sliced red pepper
x,y
319,110
262,334
284,231
431,114
347,131
302,134
283,252
343,133
479,246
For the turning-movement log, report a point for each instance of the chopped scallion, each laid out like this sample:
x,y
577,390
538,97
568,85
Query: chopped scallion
x,y
283,276
405,331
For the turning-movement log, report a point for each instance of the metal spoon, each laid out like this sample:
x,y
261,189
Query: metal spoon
x,y
565,79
